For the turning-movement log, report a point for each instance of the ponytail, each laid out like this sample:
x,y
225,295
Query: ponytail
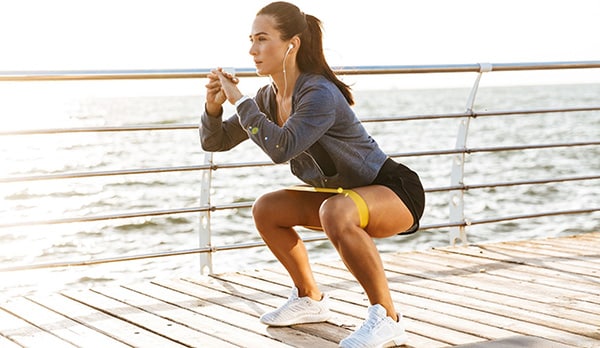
x,y
311,59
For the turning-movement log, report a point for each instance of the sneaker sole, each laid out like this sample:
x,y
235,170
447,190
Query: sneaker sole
x,y
302,320
398,341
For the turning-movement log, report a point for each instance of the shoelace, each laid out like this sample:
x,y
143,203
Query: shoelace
x,y
370,323
290,300
293,301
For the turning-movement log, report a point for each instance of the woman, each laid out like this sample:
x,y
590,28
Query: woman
x,y
356,192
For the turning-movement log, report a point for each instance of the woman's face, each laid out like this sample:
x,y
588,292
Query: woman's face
x,y
267,49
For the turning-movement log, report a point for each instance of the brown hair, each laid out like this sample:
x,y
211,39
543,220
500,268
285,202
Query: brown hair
x,y
290,21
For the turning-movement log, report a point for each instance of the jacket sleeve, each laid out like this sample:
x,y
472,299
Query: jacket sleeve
x,y
313,113
218,135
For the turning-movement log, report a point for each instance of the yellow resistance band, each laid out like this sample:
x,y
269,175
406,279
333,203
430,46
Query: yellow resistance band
x,y
363,209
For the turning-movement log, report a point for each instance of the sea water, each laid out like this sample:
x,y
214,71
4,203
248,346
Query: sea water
x,y
43,154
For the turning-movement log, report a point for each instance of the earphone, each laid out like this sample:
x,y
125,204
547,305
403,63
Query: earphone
x,y
285,83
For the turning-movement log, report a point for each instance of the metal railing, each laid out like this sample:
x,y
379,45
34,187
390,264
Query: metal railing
x,y
456,189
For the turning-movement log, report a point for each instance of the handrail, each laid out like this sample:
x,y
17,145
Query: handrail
x,y
248,204
151,127
134,128
128,215
466,150
51,75
212,249
208,167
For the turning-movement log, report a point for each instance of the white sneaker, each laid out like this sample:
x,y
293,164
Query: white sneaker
x,y
377,331
298,310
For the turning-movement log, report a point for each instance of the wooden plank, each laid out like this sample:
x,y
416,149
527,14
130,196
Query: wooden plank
x,y
250,324
524,298
6,343
534,264
575,246
546,249
109,325
524,273
520,257
522,320
578,264
414,316
345,318
24,333
441,326
183,314
449,296
276,296
510,270
439,291
517,342
58,325
348,313
240,300
177,333
590,237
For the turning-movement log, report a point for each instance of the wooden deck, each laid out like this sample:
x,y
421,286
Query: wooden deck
x,y
539,293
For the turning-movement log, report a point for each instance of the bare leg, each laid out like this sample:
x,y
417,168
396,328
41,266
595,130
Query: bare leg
x,y
275,214
388,216
362,259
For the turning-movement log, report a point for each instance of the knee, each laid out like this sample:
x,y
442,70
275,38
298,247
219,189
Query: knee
x,y
262,209
335,217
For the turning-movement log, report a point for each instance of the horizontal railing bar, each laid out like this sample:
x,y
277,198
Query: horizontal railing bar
x,y
127,215
531,182
76,75
532,216
480,114
62,75
457,68
143,256
104,260
528,147
490,149
193,126
132,128
229,247
534,111
76,175
248,204
546,65
512,183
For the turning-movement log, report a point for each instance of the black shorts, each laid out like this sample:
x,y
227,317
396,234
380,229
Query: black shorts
x,y
407,185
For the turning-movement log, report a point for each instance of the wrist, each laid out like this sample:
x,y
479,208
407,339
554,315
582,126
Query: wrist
x,y
241,100
213,109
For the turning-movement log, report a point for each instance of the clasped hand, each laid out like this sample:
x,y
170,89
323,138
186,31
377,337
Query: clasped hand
x,y
222,86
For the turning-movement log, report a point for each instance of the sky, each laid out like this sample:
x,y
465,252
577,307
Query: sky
x,y
186,34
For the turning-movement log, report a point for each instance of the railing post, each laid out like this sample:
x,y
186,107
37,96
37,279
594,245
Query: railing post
x,y
206,266
457,203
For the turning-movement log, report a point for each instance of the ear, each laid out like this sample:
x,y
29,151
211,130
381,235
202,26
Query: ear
x,y
295,43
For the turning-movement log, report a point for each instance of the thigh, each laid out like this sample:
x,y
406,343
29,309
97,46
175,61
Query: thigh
x,y
388,215
289,208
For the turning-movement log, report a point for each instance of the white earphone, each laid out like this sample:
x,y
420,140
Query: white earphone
x,y
285,82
